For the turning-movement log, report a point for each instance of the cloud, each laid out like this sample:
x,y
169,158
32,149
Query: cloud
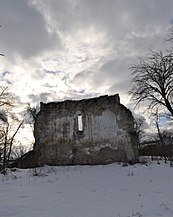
x,y
23,31
70,48
113,76
43,97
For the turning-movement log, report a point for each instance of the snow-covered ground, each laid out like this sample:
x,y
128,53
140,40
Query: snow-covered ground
x,y
89,191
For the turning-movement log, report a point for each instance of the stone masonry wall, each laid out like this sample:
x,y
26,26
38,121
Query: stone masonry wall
x,y
89,131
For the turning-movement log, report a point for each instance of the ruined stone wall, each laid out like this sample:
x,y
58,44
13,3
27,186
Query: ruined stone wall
x,y
89,131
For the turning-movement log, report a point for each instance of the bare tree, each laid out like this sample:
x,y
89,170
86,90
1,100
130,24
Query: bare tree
x,y
8,134
11,139
139,123
31,115
159,133
6,103
9,125
165,139
169,140
6,98
152,80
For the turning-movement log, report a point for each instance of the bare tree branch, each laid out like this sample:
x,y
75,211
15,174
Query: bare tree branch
x,y
153,80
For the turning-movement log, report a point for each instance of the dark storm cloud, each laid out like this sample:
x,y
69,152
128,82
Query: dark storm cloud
x,y
23,29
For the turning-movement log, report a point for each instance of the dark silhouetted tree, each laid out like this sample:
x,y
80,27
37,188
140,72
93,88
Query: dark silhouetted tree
x,y
152,80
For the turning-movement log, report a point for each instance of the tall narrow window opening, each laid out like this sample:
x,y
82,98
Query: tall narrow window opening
x,y
80,124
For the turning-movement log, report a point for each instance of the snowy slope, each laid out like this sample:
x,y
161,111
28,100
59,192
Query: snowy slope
x,y
89,191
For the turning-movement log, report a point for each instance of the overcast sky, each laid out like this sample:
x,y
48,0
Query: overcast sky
x,y
59,49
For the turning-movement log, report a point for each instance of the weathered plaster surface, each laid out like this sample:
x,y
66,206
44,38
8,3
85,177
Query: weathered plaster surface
x,y
107,133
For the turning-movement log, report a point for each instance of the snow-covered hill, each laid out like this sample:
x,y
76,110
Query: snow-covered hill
x,y
89,191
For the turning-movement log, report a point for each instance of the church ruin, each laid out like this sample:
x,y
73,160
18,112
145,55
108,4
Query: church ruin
x,y
88,131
